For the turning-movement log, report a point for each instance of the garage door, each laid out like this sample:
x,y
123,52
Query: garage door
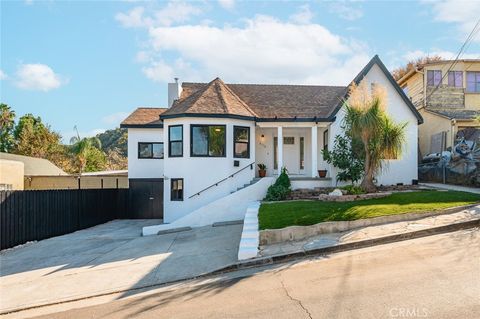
x,y
146,198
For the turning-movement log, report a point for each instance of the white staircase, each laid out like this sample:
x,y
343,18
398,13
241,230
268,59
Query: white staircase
x,y
228,208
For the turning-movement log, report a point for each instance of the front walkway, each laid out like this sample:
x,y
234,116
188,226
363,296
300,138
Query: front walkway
x,y
109,258
453,187
370,232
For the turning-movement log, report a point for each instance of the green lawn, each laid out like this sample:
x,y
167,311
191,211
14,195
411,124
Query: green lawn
x,y
302,213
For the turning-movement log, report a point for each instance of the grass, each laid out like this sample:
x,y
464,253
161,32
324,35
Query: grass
x,y
304,213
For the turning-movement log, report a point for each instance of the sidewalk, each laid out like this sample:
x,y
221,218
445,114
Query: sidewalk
x,y
453,187
371,232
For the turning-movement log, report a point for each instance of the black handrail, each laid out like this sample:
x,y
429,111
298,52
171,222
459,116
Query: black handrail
x,y
223,180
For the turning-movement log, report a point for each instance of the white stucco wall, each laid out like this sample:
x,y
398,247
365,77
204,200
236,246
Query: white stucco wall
x,y
404,169
200,172
142,167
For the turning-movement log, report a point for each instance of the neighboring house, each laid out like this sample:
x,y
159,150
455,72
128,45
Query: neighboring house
x,y
19,172
447,95
15,168
207,145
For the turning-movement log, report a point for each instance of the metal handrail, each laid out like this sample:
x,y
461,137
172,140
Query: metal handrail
x,y
223,180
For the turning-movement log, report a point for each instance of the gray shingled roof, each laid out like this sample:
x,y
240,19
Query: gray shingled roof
x,y
212,98
260,100
457,114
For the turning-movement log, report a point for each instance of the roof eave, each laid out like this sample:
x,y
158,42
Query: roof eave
x,y
376,60
141,125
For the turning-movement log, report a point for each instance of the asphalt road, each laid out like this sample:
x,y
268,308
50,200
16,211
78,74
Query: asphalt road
x,y
432,277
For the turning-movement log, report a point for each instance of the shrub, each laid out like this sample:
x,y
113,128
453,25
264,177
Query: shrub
x,y
344,157
353,190
280,189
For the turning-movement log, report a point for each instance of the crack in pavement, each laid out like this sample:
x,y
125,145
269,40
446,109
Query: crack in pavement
x,y
298,301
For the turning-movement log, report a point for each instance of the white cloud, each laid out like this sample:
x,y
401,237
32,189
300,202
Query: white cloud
x,y
303,16
227,4
462,13
173,12
133,19
346,10
264,50
115,118
37,77
3,75
448,55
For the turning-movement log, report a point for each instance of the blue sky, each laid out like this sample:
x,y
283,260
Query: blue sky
x,y
90,63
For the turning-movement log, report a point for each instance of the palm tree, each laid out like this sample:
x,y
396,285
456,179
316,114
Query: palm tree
x,y
81,148
367,121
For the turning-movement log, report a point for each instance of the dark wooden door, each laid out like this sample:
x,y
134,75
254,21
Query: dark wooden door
x,y
146,198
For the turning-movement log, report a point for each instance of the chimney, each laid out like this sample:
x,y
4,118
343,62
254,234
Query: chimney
x,y
174,91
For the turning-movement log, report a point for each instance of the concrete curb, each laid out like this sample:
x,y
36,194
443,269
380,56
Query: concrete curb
x,y
358,244
256,262
296,233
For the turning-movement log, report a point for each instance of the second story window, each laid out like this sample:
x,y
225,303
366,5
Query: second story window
x,y
473,82
175,141
455,79
150,150
207,140
434,77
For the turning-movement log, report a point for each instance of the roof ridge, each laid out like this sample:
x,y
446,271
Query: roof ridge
x,y
267,84
218,87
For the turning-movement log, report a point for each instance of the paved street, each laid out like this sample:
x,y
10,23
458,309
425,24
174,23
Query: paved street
x,y
431,277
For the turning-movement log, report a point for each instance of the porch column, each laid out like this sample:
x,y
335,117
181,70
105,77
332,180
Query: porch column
x,y
314,151
279,149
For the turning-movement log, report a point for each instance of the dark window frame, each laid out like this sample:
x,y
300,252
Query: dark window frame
x,y
151,157
172,180
208,140
235,143
175,141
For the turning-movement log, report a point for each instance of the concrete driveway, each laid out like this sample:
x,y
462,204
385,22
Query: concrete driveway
x,y
109,258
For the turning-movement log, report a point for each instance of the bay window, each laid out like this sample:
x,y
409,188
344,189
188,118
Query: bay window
x,y
207,140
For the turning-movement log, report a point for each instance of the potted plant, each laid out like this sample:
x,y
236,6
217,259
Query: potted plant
x,y
262,170
322,173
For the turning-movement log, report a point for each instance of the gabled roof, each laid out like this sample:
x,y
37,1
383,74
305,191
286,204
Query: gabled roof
x,y
360,76
144,117
34,166
212,98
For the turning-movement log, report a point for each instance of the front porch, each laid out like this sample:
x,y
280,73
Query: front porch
x,y
297,147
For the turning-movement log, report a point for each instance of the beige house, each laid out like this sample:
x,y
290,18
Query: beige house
x,y
18,172
447,95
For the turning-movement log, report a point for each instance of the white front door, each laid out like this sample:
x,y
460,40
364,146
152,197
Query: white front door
x,y
293,153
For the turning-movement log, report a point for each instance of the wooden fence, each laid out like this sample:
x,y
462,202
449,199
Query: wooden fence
x,y
41,214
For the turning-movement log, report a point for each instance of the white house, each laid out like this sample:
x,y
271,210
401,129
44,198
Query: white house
x,y
202,152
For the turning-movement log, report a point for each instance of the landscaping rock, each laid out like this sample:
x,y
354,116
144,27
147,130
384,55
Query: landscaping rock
x,y
336,192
